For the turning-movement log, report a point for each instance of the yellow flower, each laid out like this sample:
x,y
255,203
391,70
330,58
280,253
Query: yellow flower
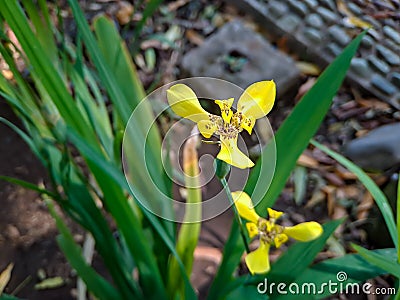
x,y
269,232
256,102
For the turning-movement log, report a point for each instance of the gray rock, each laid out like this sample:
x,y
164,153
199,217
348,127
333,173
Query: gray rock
x,y
354,8
377,151
392,33
262,60
329,4
378,65
327,14
388,55
383,85
360,67
314,20
289,23
334,49
392,45
395,78
367,42
277,9
313,35
311,3
339,35
298,7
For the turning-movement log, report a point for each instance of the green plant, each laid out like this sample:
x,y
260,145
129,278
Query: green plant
x,y
64,106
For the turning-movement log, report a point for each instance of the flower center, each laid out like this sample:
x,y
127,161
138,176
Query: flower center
x,y
268,230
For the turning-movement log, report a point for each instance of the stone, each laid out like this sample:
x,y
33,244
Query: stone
x,y
377,151
329,4
311,3
298,7
360,67
388,55
367,42
277,9
354,8
262,60
334,49
339,35
383,85
313,35
395,78
327,15
392,45
378,65
314,20
392,33
289,23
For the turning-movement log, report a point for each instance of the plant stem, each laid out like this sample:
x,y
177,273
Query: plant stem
x,y
236,213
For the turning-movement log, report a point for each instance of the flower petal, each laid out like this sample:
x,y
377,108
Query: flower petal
x,y
207,128
225,106
245,206
280,239
252,229
274,214
258,260
304,232
231,154
258,99
248,124
184,103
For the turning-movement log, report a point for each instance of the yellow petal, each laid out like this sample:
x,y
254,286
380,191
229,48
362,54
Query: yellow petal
x,y
184,103
258,260
304,232
245,206
252,229
248,124
225,106
274,214
258,99
280,239
231,154
207,128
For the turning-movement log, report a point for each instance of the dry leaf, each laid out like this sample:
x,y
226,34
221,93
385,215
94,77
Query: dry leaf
x,y
308,68
306,160
5,277
124,12
363,208
305,87
194,37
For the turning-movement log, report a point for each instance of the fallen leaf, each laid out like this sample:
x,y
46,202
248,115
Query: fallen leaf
x,y
308,68
305,87
194,37
366,204
50,283
306,160
5,277
124,12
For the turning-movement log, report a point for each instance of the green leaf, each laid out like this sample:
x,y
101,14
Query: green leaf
x,y
97,284
381,261
29,185
398,218
371,186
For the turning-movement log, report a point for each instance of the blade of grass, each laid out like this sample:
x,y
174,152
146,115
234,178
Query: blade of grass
x,y
381,261
97,284
398,218
371,186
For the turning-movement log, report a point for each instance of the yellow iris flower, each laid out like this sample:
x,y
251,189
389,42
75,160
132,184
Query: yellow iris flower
x,y
256,102
269,232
